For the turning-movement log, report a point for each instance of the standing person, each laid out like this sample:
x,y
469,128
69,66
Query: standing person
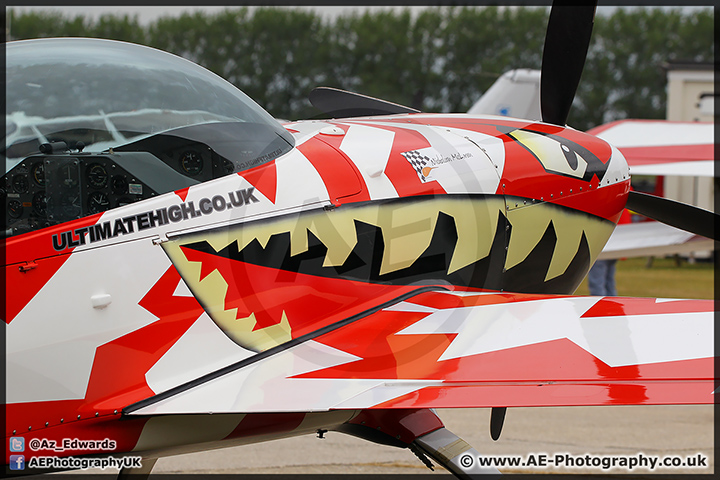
x,y
601,277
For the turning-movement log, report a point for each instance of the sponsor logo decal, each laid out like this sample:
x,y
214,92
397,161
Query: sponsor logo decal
x,y
151,219
425,160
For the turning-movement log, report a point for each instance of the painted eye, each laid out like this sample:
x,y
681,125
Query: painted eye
x,y
570,156
559,155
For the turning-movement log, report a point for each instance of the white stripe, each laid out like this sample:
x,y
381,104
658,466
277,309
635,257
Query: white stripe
x,y
369,148
697,168
409,307
618,341
298,183
182,290
202,349
658,134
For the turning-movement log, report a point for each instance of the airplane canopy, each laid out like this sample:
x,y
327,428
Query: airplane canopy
x,y
106,93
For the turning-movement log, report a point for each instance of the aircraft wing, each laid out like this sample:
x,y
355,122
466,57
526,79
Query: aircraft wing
x,y
646,239
661,147
445,349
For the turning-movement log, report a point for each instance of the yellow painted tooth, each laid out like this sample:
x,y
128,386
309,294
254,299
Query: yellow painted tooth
x,y
530,223
570,229
476,227
528,227
337,232
407,232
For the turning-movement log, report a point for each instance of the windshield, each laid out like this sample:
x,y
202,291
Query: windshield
x,y
105,94
95,124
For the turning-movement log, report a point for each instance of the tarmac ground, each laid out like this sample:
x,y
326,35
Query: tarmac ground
x,y
581,435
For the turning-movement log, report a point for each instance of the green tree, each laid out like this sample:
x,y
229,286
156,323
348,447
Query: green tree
x,y
624,75
125,28
34,24
273,55
52,24
427,77
483,43
442,59
382,59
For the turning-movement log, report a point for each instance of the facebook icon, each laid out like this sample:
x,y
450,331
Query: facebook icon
x,y
17,462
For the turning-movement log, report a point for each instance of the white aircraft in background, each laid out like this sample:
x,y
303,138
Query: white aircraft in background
x,y
514,93
659,147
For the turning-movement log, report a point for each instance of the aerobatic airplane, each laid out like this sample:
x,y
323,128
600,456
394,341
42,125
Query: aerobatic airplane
x,y
183,272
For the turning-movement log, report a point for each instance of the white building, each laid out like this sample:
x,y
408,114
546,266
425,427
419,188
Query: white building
x,y
691,95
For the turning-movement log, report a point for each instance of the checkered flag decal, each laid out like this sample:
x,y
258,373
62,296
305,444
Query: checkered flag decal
x,y
418,161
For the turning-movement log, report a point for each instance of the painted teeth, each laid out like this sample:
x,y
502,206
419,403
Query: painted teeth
x,y
384,238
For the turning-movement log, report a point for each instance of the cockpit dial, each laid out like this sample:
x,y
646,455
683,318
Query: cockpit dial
x,y
191,163
38,174
20,183
97,175
97,202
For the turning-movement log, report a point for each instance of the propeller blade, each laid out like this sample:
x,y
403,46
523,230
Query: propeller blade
x,y
566,45
679,215
341,104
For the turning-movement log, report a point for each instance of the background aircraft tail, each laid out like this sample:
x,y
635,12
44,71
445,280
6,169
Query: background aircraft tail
x,y
516,93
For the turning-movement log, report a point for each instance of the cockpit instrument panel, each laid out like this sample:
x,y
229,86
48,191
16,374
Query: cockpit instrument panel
x,y
45,190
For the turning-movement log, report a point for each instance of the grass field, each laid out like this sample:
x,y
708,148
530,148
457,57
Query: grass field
x,y
664,279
